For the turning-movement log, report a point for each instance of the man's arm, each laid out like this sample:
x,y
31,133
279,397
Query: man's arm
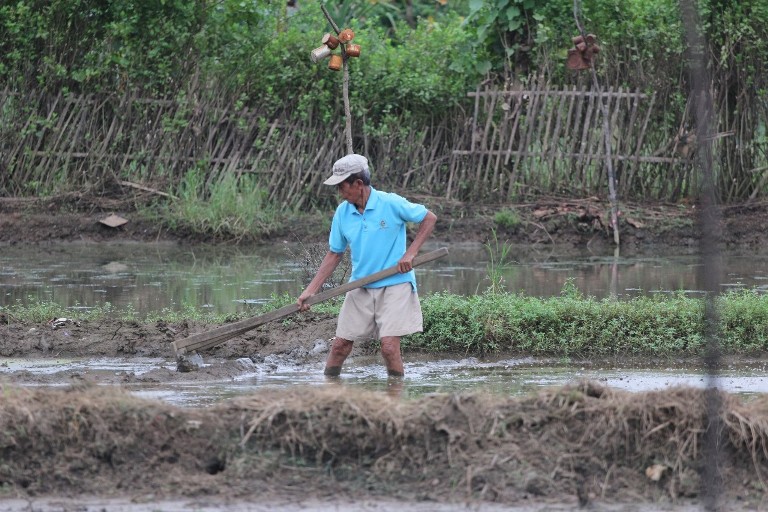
x,y
329,264
425,229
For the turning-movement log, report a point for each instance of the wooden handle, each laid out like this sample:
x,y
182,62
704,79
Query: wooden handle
x,y
221,334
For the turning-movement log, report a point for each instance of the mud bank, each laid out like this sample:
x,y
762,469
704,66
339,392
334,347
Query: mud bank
x,y
575,445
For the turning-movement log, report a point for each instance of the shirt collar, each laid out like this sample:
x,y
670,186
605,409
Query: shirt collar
x,y
373,200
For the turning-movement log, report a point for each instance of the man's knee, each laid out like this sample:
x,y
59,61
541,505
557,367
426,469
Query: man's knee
x,y
341,347
390,347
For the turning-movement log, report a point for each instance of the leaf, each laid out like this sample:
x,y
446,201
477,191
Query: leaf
x,y
483,67
513,12
475,5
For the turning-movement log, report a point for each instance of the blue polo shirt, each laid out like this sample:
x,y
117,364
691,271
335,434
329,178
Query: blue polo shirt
x,y
376,237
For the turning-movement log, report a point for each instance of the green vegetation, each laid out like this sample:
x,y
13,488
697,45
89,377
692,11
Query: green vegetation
x,y
39,312
570,325
507,219
331,306
498,262
188,65
573,325
254,52
231,207
46,311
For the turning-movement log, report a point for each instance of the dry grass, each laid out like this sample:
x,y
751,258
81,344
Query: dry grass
x,y
580,441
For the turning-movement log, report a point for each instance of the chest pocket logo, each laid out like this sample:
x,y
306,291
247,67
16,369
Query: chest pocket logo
x,y
382,224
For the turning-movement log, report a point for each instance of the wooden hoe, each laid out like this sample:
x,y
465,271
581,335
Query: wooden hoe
x,y
209,339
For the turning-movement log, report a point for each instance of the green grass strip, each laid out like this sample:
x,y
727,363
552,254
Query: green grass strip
x,y
572,325
568,325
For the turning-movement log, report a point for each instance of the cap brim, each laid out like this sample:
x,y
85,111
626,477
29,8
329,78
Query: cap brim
x,y
335,180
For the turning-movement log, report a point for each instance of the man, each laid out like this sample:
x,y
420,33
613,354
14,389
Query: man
x,y
372,224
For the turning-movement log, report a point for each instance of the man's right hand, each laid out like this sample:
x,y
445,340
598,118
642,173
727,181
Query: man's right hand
x,y
301,301
329,264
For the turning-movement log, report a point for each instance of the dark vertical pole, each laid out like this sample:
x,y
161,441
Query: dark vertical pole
x,y
700,90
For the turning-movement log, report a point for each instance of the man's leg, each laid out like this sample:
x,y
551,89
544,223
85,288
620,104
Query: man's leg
x,y
390,351
340,349
395,387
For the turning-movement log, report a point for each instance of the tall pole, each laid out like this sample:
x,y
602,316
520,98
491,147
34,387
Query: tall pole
x,y
712,473
345,84
606,132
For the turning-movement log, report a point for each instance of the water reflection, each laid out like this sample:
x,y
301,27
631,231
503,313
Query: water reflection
x,y
153,277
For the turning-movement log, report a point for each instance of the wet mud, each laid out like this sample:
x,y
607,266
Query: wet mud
x,y
301,341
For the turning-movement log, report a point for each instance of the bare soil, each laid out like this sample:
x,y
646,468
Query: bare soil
x,y
566,222
573,446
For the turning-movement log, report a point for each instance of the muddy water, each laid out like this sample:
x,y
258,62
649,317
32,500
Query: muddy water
x,y
423,376
153,277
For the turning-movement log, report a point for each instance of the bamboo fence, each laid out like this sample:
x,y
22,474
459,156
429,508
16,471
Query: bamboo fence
x,y
517,136
512,144
90,143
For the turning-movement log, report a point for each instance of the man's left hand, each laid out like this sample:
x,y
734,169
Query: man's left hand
x,y
405,264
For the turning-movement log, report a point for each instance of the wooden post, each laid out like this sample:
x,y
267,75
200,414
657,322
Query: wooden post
x,y
345,84
606,133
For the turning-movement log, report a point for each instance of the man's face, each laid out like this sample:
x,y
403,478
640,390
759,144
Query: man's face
x,y
352,192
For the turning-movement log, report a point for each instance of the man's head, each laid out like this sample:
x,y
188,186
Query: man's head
x,y
350,168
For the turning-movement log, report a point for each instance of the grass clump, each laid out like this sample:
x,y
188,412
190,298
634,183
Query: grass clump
x,y
34,311
507,219
44,311
744,320
231,207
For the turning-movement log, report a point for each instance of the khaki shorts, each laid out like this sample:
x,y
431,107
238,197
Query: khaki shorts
x,y
373,313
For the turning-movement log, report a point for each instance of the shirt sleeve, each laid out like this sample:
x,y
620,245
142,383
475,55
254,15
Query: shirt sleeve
x,y
336,241
410,212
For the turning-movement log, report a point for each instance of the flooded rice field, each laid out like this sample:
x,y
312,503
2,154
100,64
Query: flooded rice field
x,y
179,415
153,277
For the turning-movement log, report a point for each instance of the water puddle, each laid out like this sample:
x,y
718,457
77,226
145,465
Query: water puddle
x,y
423,377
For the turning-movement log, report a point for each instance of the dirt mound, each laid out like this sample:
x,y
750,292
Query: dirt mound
x,y
109,337
576,444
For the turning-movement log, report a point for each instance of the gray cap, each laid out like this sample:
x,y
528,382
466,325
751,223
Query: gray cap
x,y
346,167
